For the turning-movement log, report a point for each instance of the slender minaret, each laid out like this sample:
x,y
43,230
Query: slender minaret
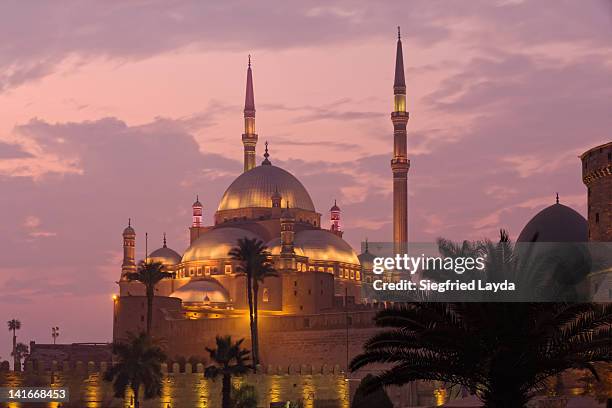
x,y
249,137
400,163
129,250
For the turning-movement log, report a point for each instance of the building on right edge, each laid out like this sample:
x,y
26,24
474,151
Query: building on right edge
x,y
597,176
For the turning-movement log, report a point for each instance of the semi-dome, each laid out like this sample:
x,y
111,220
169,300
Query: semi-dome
x,y
254,189
216,243
319,244
165,255
557,223
202,291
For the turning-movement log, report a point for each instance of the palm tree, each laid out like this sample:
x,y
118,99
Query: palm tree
x,y
229,359
20,352
149,274
138,366
502,352
14,325
254,261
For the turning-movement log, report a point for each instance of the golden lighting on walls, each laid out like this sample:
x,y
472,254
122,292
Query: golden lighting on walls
x,y
342,387
439,396
275,389
308,391
203,390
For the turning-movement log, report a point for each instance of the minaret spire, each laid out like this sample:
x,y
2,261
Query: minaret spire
x,y
400,163
249,137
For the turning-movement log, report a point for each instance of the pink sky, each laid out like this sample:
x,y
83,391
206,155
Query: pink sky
x,y
110,110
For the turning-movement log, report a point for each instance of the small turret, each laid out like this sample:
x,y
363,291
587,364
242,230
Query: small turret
x,y
334,215
197,213
197,227
129,250
287,221
276,198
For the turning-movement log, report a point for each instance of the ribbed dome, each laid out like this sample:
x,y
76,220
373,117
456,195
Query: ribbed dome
x,y
215,243
202,291
256,187
557,223
319,244
165,256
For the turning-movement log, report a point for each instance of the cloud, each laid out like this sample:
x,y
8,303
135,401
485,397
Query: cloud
x,y
12,151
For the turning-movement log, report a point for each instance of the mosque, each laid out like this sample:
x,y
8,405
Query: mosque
x,y
306,310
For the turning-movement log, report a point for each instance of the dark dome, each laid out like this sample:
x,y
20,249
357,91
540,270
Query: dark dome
x,y
557,223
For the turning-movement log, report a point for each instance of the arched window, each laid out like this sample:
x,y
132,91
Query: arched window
x,y
265,295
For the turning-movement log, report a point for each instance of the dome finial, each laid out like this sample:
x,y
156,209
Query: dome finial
x,y
129,222
557,198
399,35
165,246
249,60
266,162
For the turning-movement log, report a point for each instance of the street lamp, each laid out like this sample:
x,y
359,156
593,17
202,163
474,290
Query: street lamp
x,y
54,333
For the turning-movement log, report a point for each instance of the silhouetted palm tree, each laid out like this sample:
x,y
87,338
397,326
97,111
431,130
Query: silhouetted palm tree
x,y
14,325
501,352
138,366
20,352
229,359
149,274
254,261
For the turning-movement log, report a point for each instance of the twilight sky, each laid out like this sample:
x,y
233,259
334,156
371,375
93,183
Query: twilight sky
x,y
117,109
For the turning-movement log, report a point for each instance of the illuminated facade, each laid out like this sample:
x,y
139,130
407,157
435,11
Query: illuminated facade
x,y
319,274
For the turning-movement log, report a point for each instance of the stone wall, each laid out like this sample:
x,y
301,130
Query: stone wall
x,y
186,386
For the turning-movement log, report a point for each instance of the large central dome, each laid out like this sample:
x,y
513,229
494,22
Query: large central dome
x,y
255,188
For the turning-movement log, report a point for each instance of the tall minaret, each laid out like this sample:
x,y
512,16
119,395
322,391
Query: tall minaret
x,y
249,137
400,163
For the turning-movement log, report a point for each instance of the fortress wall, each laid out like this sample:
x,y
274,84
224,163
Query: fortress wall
x,y
189,389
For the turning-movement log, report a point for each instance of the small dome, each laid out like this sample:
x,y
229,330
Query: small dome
x,y
366,259
334,207
129,231
319,244
255,188
165,256
202,291
197,202
557,223
215,243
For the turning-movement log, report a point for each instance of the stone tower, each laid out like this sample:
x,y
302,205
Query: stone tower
x,y
249,137
597,176
129,250
399,163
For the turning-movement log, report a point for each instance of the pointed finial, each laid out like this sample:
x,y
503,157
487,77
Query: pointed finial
x,y
197,197
335,202
165,246
249,60
399,35
366,244
266,162
129,222
557,198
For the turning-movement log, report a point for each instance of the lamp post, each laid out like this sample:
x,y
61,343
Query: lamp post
x,y
54,333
